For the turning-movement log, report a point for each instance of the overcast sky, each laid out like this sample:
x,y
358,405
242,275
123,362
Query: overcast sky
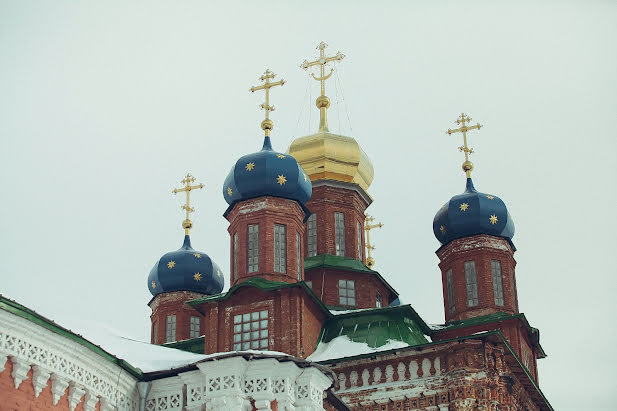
x,y
105,106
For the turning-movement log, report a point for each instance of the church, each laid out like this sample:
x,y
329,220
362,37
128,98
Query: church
x,y
307,323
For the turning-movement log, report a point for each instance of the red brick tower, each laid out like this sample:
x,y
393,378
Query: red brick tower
x,y
334,241
478,267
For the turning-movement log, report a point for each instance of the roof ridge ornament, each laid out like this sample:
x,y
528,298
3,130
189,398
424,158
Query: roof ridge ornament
x,y
267,124
187,224
467,165
370,261
322,101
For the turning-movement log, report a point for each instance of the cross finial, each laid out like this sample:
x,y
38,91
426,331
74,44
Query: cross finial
x,y
187,224
467,165
370,261
322,102
267,124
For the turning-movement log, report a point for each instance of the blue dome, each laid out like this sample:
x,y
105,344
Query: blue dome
x,y
267,173
472,213
185,270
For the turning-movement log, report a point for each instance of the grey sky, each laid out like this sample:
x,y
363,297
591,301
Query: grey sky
x,y
104,106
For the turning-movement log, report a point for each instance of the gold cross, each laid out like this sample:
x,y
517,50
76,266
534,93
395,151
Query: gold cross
x,y
370,261
322,102
267,124
467,165
187,224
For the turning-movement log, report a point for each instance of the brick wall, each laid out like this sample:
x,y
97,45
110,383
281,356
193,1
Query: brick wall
x,y
324,202
325,286
23,398
266,212
172,303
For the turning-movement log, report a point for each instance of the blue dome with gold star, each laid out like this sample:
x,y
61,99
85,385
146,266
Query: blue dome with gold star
x,y
472,213
267,173
185,270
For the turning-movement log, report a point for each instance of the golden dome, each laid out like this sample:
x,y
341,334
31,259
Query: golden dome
x,y
327,156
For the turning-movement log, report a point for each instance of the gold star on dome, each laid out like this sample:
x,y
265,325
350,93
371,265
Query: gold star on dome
x,y
197,276
153,284
218,272
280,156
250,166
443,230
171,264
493,219
229,192
197,255
464,207
490,197
281,179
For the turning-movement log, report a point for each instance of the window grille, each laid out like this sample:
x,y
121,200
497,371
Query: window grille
x,y
359,235
450,287
195,327
497,282
170,331
346,292
253,248
280,249
251,331
339,233
235,256
378,300
471,283
312,235
298,256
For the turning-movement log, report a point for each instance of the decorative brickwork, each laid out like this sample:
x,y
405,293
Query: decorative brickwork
x,y
265,212
164,305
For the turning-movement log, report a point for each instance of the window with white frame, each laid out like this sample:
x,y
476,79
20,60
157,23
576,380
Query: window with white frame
x,y
280,248
497,282
359,235
298,256
450,289
339,233
312,235
378,300
253,248
195,327
346,292
251,331
471,283
235,256
170,330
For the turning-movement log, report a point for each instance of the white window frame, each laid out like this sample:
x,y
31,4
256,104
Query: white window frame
x,y
339,233
251,331
170,329
195,327
347,293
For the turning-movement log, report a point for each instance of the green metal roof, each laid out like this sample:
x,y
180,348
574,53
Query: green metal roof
x,y
32,316
194,345
346,264
263,285
376,327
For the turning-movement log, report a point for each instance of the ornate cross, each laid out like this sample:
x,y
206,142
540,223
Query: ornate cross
x,y
370,261
467,165
187,224
267,124
323,102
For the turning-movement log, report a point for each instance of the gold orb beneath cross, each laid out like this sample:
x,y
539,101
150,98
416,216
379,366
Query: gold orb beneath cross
x,y
467,166
322,101
370,262
187,224
267,125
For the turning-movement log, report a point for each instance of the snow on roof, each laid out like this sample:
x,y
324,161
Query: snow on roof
x,y
341,347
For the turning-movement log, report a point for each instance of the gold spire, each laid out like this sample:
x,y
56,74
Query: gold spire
x,y
370,261
187,224
267,124
467,165
322,102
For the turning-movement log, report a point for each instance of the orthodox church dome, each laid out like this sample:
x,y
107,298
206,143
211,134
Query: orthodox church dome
x,y
185,270
472,213
335,157
267,173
